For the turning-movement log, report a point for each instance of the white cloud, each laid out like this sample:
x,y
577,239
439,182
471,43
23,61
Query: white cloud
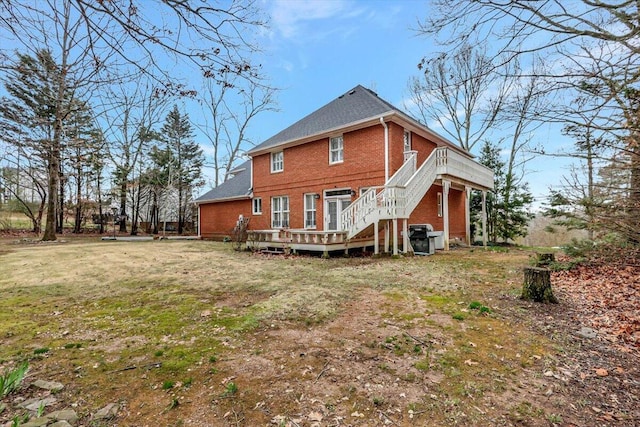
x,y
293,19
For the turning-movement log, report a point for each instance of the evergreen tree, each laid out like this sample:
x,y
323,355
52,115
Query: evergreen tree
x,y
187,161
507,206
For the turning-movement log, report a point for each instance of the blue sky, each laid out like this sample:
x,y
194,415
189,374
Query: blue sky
x,y
316,50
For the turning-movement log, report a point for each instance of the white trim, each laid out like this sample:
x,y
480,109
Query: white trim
x,y
224,199
439,202
402,120
340,150
406,138
283,223
253,205
273,163
306,208
338,199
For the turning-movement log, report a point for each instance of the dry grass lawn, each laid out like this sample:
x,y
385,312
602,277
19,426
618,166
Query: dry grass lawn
x,y
192,333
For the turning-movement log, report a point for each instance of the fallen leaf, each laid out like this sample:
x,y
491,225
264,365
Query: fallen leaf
x,y
601,372
315,416
470,362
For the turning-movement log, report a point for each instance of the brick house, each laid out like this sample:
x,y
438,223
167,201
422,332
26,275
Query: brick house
x,y
354,173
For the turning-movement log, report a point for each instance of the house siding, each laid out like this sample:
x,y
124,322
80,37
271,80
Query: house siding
x,y
217,220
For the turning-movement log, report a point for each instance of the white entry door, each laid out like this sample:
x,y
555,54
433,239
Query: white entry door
x,y
333,207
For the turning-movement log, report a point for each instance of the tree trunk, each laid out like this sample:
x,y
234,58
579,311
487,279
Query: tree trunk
x,y
545,259
77,226
537,285
123,205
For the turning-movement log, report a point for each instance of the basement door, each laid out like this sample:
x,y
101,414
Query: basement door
x,y
335,202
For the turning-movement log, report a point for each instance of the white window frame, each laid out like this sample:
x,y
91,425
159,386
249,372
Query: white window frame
x,y
338,151
440,204
256,205
277,161
310,207
407,140
280,211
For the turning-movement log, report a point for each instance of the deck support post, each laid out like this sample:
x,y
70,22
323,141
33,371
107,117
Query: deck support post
x,y
405,236
395,236
467,215
446,185
484,218
376,238
386,236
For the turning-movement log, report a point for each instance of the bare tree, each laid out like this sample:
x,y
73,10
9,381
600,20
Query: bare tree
x,y
130,114
229,109
462,92
595,51
109,39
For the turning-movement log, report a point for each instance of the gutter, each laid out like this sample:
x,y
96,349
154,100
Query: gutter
x,y
386,150
225,199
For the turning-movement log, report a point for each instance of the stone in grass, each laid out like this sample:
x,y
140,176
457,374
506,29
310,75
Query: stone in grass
x,y
68,415
35,404
62,423
587,332
37,422
109,411
48,385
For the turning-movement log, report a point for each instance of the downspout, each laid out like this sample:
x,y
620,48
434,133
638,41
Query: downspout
x,y
386,150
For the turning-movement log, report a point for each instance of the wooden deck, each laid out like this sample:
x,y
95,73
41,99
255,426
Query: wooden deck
x,y
292,241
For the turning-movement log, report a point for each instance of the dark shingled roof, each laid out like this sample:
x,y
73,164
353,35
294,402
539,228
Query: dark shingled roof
x,y
237,186
357,104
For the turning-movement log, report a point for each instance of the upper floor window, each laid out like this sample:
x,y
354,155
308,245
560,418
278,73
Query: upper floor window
x,y
336,149
277,161
257,206
407,140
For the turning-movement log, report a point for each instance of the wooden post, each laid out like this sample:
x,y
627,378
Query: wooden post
x,y
537,285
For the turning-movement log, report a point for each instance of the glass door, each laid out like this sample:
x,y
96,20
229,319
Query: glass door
x,y
333,207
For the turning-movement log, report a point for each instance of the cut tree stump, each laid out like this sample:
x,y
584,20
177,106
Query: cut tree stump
x,y
537,285
545,259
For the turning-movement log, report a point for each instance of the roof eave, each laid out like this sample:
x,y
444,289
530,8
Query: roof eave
x,y
325,133
223,199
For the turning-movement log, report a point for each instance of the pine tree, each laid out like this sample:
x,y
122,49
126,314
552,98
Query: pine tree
x,y
507,206
188,159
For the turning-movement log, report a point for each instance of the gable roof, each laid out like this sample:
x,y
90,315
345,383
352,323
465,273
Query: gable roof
x,y
236,187
355,105
355,108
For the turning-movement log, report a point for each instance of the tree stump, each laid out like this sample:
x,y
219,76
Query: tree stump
x,y
537,285
545,259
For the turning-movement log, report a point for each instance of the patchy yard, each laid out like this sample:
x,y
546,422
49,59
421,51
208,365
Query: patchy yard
x,y
193,333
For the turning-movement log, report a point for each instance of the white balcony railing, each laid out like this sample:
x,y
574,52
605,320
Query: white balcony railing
x,y
452,163
404,190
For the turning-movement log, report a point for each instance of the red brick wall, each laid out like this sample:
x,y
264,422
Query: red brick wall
x,y
307,170
427,212
457,224
218,219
